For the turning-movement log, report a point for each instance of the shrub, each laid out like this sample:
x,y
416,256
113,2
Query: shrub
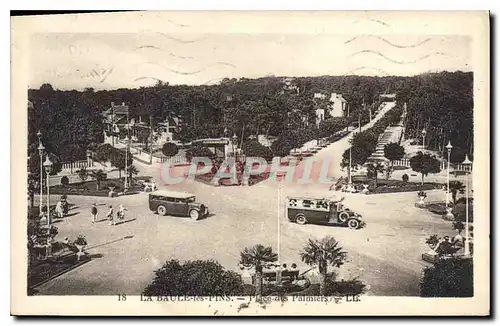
x,y
343,287
451,277
200,277
459,212
81,240
425,164
201,151
65,181
458,225
83,174
422,194
394,151
405,178
432,240
283,145
253,148
170,149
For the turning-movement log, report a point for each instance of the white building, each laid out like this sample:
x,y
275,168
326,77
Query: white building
x,y
338,106
319,96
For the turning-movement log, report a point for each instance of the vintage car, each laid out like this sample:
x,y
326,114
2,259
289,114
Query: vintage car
x,y
166,202
321,211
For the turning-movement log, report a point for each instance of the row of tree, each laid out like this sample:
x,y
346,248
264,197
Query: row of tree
x,y
118,158
70,121
442,105
365,142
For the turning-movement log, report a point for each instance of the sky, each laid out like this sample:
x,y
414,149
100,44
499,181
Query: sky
x,y
110,61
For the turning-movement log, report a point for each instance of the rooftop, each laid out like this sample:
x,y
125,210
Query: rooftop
x,y
174,194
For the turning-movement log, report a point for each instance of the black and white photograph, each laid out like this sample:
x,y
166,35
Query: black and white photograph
x,y
177,162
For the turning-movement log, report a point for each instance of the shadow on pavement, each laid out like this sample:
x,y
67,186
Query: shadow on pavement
x,y
126,221
110,242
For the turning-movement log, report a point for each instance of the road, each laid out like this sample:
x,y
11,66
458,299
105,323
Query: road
x,y
385,254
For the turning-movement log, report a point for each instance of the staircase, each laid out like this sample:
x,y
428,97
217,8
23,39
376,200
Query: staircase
x,y
391,135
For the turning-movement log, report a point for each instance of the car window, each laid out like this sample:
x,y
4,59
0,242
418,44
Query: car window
x,y
191,199
180,200
307,203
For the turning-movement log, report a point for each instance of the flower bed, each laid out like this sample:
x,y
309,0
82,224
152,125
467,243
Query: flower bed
x,y
390,186
89,188
41,272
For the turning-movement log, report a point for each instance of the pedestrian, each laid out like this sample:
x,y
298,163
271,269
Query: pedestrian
x,y
121,212
59,209
110,215
93,210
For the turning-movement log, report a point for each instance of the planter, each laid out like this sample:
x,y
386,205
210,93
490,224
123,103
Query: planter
x,y
81,251
449,215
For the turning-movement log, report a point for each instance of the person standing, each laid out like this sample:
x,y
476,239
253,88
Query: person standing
x,y
121,212
110,215
93,210
59,209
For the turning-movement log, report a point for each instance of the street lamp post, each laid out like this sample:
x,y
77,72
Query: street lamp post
x,y
125,187
234,141
48,167
424,132
467,163
41,149
449,215
349,172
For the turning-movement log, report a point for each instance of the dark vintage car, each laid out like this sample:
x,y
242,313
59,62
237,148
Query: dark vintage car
x,y
322,211
165,202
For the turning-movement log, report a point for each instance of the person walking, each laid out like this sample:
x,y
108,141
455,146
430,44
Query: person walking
x,y
110,215
93,210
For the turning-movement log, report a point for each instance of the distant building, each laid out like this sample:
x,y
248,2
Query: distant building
x,y
387,97
116,117
167,128
319,96
338,106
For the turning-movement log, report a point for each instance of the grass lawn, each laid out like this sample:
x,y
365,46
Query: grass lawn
x,y
89,188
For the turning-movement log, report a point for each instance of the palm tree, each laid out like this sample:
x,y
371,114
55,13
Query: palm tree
x,y
374,169
98,176
258,257
322,253
455,188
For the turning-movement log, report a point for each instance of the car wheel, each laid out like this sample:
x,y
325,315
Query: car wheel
x,y
343,216
162,210
353,224
194,214
300,219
